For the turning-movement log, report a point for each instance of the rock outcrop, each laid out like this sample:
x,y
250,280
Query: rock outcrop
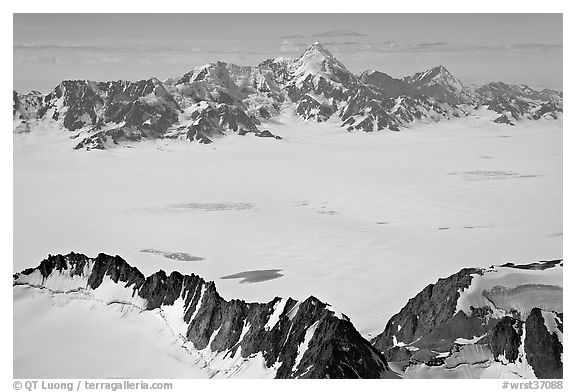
x,y
509,316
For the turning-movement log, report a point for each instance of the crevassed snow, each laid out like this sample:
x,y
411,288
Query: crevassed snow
x,y
59,280
510,278
72,337
470,354
145,344
62,282
476,361
110,292
253,367
174,316
488,370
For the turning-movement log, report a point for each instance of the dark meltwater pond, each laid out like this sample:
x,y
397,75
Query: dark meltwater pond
x,y
180,256
255,276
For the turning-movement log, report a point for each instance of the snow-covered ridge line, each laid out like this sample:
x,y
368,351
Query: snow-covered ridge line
x,y
507,318
219,98
226,335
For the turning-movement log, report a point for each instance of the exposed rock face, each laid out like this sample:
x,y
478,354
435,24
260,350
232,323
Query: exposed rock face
x,y
503,119
506,338
219,98
508,316
439,83
549,110
509,101
210,122
493,90
392,86
307,339
431,308
321,87
520,101
24,108
544,347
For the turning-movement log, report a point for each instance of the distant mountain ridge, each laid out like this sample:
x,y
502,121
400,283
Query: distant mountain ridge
x,y
218,98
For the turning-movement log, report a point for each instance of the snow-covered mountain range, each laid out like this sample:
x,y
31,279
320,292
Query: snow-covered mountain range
x,y
218,98
500,322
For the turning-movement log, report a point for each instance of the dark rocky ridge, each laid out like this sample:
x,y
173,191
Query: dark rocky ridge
x,y
511,102
218,98
336,349
543,349
435,305
429,324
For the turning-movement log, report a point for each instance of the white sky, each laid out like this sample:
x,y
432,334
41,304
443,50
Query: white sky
x,y
477,48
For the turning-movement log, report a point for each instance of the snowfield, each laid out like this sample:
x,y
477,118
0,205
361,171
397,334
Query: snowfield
x,y
362,221
72,335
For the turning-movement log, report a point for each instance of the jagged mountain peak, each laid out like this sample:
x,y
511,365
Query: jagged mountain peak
x,y
441,84
435,74
372,72
318,61
318,48
440,69
154,80
212,70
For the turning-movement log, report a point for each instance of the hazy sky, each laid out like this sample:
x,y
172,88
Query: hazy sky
x,y
476,48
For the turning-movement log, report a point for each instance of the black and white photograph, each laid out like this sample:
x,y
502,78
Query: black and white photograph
x,y
288,196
